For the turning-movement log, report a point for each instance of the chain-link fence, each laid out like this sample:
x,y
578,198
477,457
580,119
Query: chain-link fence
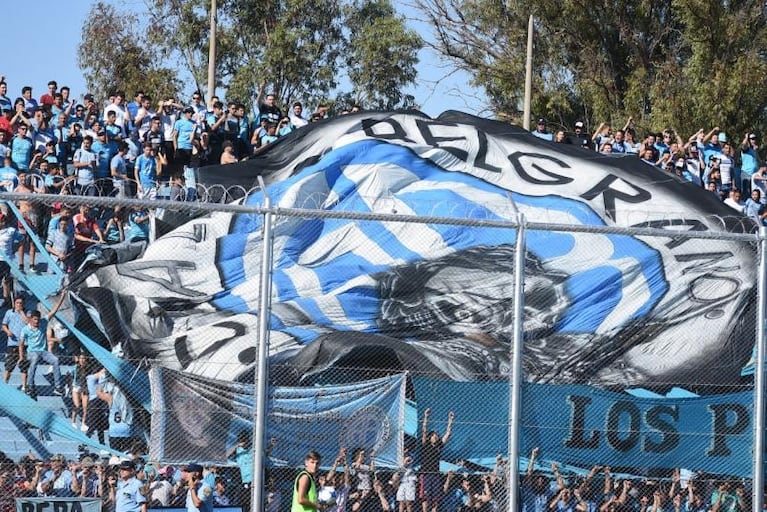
x,y
416,352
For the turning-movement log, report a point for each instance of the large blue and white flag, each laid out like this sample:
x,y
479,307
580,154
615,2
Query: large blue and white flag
x,y
613,310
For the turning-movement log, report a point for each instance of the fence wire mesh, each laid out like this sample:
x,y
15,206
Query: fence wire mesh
x,y
390,348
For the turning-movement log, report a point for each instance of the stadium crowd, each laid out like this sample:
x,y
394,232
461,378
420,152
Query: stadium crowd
x,y
355,484
733,170
141,148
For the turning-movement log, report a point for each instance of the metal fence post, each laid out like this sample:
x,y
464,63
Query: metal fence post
x,y
515,391
759,391
262,381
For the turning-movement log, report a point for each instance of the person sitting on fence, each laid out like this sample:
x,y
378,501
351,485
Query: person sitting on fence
x,y
35,341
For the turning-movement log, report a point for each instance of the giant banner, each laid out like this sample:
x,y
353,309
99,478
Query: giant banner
x,y
613,310
581,425
204,417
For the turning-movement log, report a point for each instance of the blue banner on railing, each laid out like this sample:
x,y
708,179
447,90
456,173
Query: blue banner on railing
x,y
585,425
58,504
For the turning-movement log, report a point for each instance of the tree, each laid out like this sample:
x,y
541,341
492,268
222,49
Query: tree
x,y
680,63
297,49
382,55
113,57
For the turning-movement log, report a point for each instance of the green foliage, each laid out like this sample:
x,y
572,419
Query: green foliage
x,y
113,57
298,49
686,64
382,55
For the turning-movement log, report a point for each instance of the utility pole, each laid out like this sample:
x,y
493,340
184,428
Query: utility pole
x,y
212,53
528,75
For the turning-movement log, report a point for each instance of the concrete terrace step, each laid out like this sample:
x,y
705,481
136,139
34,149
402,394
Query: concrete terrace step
x,y
17,439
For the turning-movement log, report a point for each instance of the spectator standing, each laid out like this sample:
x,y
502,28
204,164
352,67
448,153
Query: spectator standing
x,y
48,97
297,115
727,166
122,114
8,235
749,161
143,118
85,162
129,494
217,122
14,322
134,106
5,101
122,428
619,144
119,171
241,453
21,148
712,144
85,483
227,154
30,104
361,472
199,497
269,109
541,132
759,181
601,135
60,243
305,486
431,453
408,481
57,481
87,232
147,170
753,206
183,136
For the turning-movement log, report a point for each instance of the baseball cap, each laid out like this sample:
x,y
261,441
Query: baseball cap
x,y
101,132
541,120
579,124
192,468
127,464
752,136
88,96
188,110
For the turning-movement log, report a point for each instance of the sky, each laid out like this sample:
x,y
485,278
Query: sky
x,y
48,51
